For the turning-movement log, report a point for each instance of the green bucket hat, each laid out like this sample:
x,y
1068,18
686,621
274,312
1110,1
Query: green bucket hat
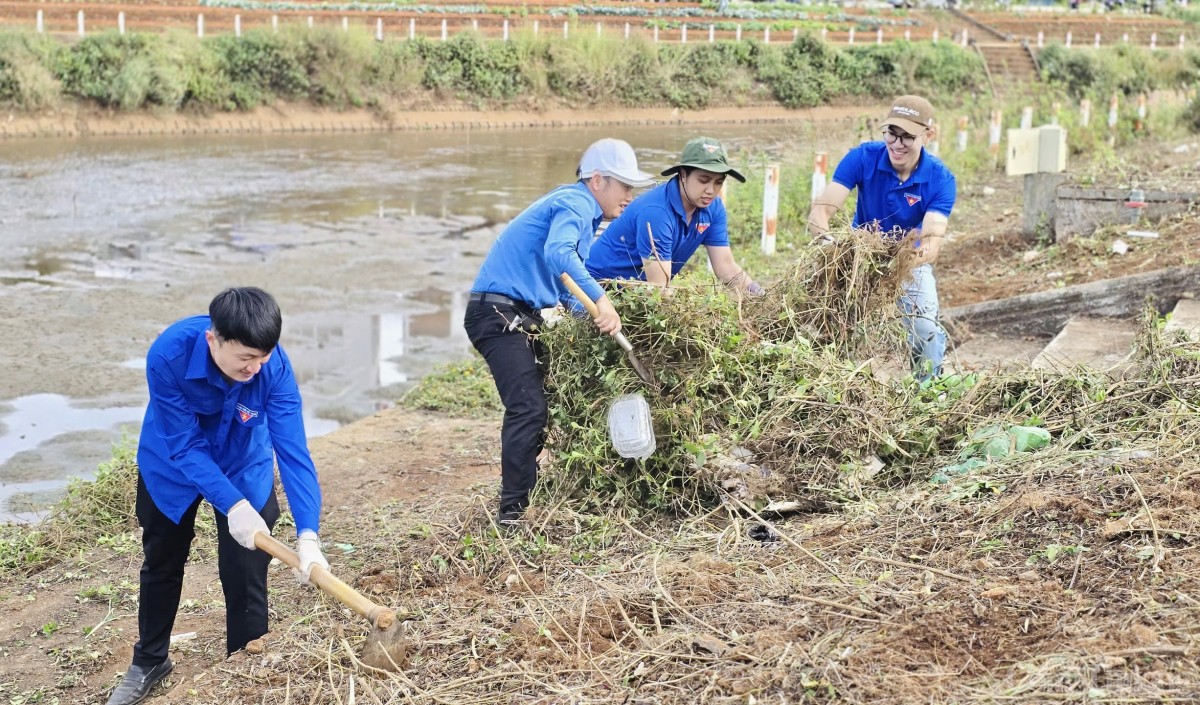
x,y
707,154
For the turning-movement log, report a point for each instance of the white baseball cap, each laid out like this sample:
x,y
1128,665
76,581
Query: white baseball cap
x,y
615,158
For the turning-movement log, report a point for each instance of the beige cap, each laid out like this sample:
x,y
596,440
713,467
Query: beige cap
x,y
910,113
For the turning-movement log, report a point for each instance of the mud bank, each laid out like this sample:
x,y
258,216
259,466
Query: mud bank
x,y
85,121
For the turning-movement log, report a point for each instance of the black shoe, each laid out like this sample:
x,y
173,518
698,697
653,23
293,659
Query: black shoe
x,y
138,682
510,520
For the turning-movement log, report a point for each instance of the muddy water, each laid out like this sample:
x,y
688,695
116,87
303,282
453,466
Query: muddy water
x,y
368,241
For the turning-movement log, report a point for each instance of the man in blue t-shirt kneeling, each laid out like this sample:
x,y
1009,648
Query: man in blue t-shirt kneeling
x,y
903,192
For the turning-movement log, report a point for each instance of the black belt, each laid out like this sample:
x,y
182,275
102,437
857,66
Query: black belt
x,y
496,298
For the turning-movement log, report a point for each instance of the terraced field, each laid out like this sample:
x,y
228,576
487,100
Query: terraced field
x,y
666,22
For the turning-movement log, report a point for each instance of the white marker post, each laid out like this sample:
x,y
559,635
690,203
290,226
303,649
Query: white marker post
x,y
935,35
41,22
237,26
879,36
1027,119
200,26
310,22
275,23
345,24
737,35
994,131
767,35
712,37
1068,40
599,29
1085,112
474,24
820,167
566,29
535,28
824,33
656,34
964,37
908,35
627,30
412,28
683,34
1153,40
445,31
120,22
79,23
1041,40
850,39
505,31
1114,105
1125,37
770,209
1181,42
379,29
963,122
1096,43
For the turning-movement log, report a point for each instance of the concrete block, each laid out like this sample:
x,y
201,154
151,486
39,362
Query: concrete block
x,y
1078,212
1185,317
1099,343
1041,204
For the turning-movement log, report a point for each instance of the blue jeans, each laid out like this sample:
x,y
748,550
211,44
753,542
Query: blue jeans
x,y
926,337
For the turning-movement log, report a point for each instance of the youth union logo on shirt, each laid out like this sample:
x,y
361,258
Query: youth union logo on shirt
x,y
245,413
701,227
912,198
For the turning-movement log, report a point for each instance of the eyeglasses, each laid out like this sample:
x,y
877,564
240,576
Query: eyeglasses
x,y
906,140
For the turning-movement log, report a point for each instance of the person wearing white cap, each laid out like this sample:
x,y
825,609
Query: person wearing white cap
x,y
519,277
906,194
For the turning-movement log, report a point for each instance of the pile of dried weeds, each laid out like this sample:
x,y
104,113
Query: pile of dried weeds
x,y
801,395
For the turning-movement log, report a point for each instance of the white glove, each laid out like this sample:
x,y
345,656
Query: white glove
x,y
308,546
244,523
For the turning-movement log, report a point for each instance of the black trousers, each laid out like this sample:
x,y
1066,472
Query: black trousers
x,y
516,360
166,545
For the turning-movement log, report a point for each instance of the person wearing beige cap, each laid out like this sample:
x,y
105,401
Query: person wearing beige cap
x,y
654,238
519,278
905,194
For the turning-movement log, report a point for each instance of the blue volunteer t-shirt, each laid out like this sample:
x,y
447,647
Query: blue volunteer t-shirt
x,y
206,436
619,251
550,237
892,206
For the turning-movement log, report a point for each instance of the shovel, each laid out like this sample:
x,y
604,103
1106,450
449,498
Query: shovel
x,y
640,369
386,648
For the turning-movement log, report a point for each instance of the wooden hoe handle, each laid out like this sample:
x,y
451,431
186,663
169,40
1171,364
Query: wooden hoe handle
x,y
380,616
584,299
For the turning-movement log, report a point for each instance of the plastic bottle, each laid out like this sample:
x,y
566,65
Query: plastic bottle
x,y
630,427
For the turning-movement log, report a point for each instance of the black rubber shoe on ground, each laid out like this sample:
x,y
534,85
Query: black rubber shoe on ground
x,y
138,682
510,520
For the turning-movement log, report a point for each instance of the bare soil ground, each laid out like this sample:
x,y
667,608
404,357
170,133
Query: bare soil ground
x,y
1069,578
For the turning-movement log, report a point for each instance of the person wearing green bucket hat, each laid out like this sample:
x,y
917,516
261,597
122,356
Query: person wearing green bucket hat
x,y
660,231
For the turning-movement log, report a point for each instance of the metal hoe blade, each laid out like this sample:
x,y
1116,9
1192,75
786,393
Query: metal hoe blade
x,y
639,367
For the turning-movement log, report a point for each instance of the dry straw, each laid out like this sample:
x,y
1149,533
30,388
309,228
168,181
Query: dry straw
x,y
1069,574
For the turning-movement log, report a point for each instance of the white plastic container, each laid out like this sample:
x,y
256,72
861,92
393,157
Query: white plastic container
x,y
630,427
